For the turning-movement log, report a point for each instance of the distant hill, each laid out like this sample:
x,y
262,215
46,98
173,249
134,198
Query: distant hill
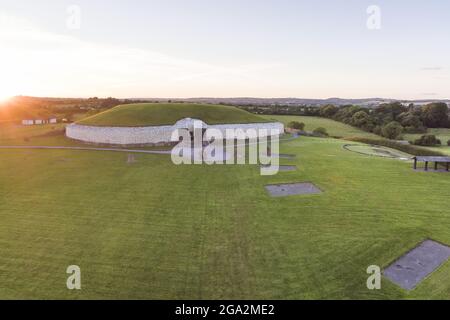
x,y
23,107
19,108
369,102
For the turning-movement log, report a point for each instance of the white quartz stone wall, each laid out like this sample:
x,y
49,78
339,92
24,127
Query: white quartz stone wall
x,y
257,126
147,135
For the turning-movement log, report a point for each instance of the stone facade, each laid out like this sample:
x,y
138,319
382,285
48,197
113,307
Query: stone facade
x,y
155,135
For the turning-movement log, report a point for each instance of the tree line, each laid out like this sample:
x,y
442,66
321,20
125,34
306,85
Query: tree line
x,y
389,120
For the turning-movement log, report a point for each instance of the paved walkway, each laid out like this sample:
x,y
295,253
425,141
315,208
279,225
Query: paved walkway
x,y
87,149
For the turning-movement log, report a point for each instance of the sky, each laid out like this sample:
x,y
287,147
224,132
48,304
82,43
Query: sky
x,y
234,48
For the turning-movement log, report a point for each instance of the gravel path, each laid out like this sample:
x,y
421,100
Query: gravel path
x,y
87,149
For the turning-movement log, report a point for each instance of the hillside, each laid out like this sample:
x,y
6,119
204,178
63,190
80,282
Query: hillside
x,y
334,128
157,114
441,133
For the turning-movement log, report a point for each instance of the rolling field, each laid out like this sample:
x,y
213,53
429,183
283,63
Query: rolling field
x,y
334,128
49,135
152,230
157,114
442,134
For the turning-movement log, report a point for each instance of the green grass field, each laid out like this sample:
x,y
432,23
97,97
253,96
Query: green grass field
x,y
154,230
339,129
47,135
156,114
334,128
443,134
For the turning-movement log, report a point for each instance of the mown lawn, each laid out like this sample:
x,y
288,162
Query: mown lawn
x,y
334,128
151,230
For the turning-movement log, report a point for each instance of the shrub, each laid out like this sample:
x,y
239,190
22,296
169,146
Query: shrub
x,y
377,130
448,143
296,125
410,149
415,130
427,140
435,115
320,132
392,130
328,111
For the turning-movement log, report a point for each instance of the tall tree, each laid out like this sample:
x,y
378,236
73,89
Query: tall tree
x,y
435,115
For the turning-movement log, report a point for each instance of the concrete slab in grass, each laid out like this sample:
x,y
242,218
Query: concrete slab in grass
x,y
416,265
291,189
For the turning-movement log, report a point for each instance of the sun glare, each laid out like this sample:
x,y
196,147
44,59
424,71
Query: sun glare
x,y
4,98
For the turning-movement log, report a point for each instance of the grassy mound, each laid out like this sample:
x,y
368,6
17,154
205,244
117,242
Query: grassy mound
x,y
157,114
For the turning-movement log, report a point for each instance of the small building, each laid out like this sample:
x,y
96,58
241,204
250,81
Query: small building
x,y
30,122
27,122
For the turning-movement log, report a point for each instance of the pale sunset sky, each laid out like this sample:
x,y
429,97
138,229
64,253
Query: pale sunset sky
x,y
232,48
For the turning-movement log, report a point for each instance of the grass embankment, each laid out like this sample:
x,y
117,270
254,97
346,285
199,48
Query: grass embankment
x,y
158,114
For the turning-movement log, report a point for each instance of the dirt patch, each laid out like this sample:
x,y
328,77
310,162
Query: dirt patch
x,y
416,265
291,189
